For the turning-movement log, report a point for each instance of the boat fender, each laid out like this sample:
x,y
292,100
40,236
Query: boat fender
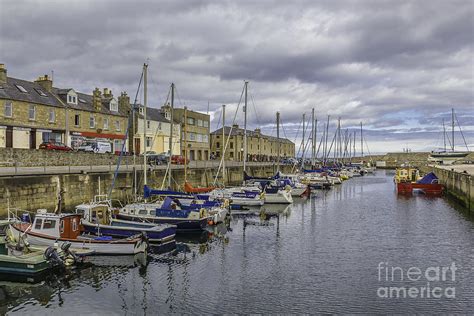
x,y
202,213
226,203
287,188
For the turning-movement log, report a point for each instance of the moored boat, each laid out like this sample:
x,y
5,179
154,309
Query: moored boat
x,y
97,219
49,229
166,212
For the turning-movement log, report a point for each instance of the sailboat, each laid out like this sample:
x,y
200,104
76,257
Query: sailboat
x,y
445,156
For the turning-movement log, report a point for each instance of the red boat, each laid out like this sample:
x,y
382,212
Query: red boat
x,y
428,185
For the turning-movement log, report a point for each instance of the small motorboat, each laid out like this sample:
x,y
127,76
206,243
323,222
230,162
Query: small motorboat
x,y
97,219
17,257
49,229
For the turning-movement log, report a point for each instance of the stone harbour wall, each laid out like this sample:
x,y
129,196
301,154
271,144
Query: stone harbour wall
x,y
30,193
41,157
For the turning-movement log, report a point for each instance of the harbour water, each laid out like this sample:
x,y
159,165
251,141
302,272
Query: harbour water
x,y
327,254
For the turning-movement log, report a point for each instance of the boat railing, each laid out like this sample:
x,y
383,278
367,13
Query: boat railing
x,y
13,215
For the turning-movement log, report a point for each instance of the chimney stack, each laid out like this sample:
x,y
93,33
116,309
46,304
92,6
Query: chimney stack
x,y
45,82
107,93
97,100
3,74
124,102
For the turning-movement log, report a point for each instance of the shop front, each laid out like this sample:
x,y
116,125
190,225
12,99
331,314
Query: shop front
x,y
116,140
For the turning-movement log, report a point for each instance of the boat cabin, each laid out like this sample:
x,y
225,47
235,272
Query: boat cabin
x,y
407,174
57,225
95,213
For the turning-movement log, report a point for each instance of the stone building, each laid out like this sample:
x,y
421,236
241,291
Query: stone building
x,y
94,116
194,132
260,147
158,127
36,112
30,114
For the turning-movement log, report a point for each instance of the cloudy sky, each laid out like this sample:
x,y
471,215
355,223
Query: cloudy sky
x,y
397,66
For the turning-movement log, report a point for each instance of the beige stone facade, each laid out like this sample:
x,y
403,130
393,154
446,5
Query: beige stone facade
x,y
194,133
260,147
36,112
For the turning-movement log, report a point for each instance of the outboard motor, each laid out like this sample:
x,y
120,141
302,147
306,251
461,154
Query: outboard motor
x,y
69,257
52,256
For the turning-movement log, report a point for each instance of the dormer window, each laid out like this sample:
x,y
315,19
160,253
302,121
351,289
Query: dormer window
x,y
140,110
71,97
113,105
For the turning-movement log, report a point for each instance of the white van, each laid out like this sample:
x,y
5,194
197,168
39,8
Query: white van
x,y
96,146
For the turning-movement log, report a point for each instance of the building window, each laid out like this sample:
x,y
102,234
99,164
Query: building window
x,y
218,145
113,105
52,116
190,120
77,119
148,142
192,136
199,122
92,121
205,138
199,138
32,112
71,99
148,124
206,124
106,123
118,145
231,145
117,125
8,109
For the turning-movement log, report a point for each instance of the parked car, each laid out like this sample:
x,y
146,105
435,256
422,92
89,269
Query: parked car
x,y
157,159
178,159
96,146
51,145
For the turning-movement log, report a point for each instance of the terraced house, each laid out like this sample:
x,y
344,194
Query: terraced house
x,y
260,147
194,132
33,112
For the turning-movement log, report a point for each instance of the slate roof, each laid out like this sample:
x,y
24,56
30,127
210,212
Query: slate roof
x,y
84,102
154,114
240,131
38,95
33,94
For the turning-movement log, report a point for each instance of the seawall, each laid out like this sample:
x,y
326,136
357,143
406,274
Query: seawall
x,y
30,193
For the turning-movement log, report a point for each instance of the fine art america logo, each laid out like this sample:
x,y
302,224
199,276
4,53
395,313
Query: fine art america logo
x,y
415,282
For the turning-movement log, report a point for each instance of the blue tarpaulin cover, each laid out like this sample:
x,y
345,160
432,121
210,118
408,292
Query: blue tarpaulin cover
x,y
428,179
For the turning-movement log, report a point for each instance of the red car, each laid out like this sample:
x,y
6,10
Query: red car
x,y
55,146
178,159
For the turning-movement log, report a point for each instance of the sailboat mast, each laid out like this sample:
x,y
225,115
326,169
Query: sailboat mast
x,y
452,119
245,127
278,140
171,135
444,136
315,140
302,143
223,144
312,137
145,92
185,145
326,153
361,143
